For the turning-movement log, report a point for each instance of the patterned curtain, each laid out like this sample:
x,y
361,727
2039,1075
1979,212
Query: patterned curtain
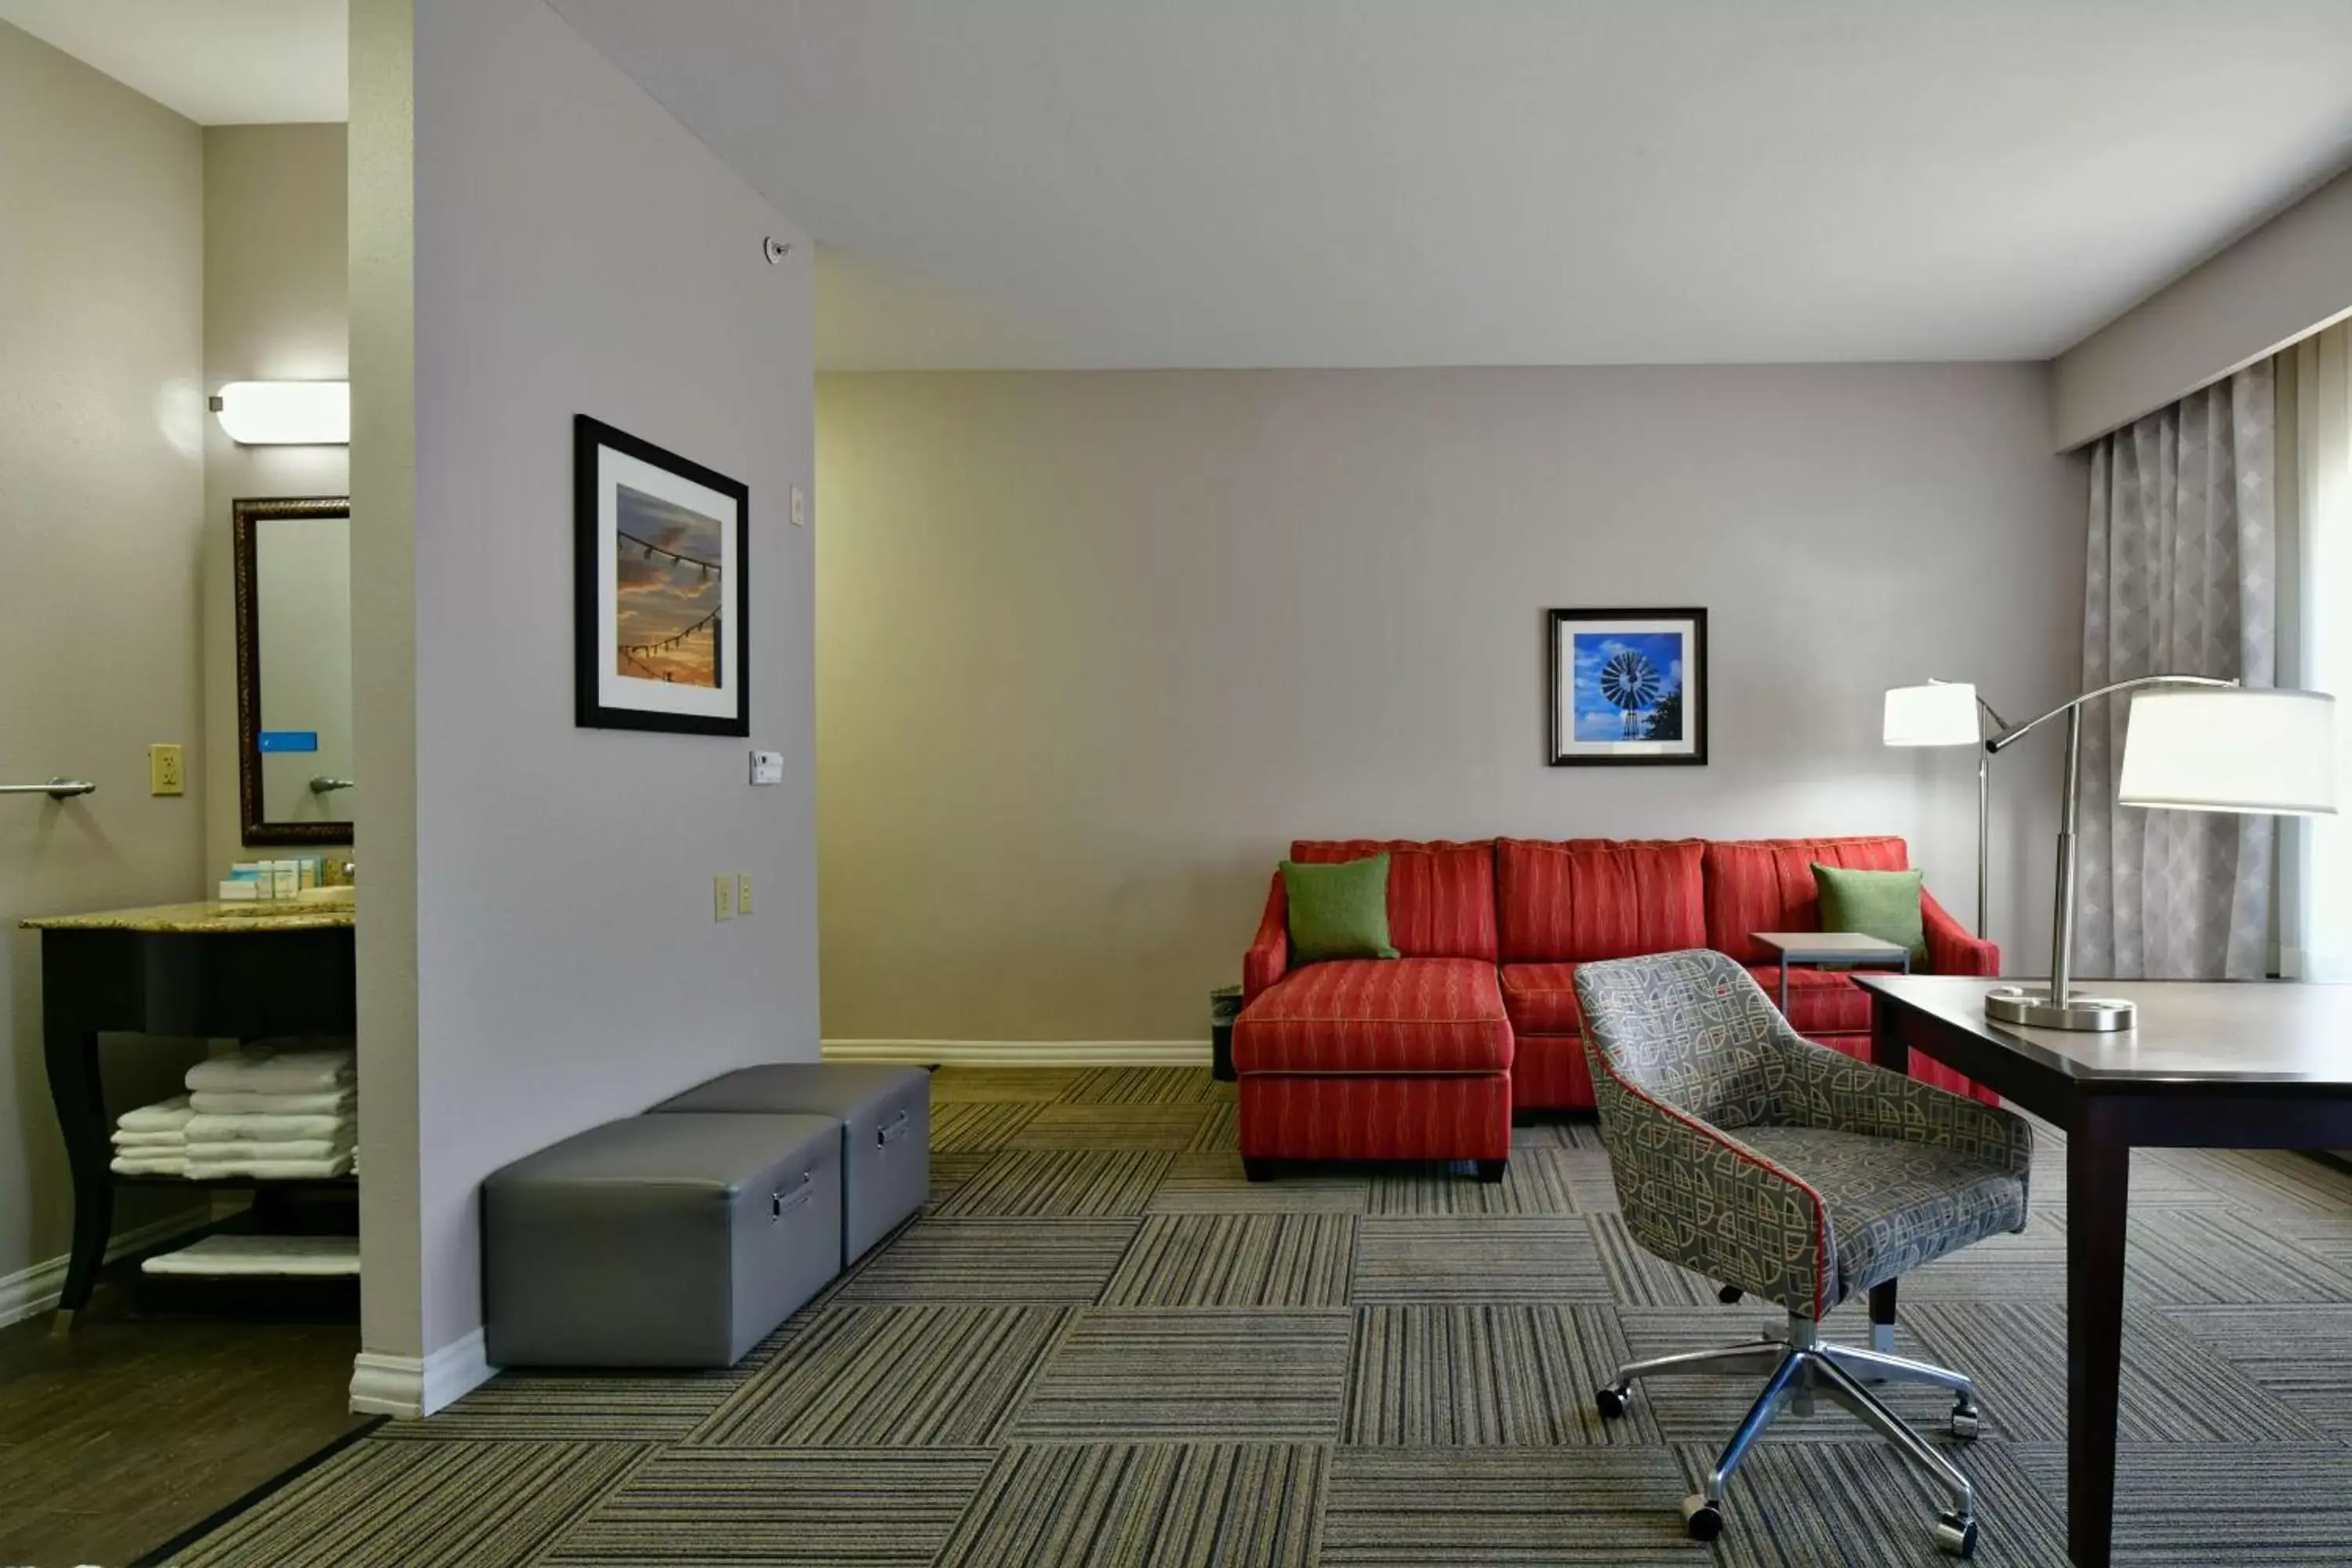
x,y
2183,580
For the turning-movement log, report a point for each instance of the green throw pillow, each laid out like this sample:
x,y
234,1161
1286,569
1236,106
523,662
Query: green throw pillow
x,y
1339,911
1883,904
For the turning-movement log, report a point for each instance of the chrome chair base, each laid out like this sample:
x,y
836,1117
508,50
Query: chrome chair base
x,y
1795,1369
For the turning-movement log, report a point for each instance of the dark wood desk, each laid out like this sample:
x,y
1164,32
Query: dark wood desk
x,y
2212,1065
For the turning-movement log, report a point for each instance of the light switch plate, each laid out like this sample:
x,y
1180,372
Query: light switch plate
x,y
800,508
744,894
722,898
767,767
166,773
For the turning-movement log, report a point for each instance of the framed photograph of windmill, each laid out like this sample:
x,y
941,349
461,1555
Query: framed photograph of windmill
x,y
1628,687
660,603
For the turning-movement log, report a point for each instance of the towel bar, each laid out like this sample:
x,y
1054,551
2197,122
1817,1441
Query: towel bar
x,y
56,789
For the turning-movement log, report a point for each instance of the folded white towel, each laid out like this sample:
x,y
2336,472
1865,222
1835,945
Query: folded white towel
x,y
150,1165
267,1129
234,1102
281,1072
171,1141
294,1149
163,1116
217,1255
271,1169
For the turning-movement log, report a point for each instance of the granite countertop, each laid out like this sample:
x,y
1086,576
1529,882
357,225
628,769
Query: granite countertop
x,y
211,916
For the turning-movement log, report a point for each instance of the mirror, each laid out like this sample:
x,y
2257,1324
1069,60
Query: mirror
x,y
294,669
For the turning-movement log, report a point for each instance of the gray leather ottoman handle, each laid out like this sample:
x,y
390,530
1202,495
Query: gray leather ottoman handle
x,y
892,1133
780,1203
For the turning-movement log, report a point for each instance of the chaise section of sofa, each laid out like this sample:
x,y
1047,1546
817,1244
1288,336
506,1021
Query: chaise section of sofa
x,y
1402,1059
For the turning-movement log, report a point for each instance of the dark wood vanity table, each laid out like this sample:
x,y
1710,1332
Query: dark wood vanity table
x,y
244,970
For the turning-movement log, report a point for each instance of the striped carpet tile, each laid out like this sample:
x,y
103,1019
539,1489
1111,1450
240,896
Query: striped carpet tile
x,y
1171,1128
860,1376
1220,1133
2175,1389
1209,1505
1536,1182
951,1085
950,1172
1214,1183
2204,1505
1519,1376
2214,1256
980,1260
1129,1374
978,1126
1049,1184
1477,1260
1860,1505
1639,1277
1236,1260
1507,1507
395,1505
2302,1355
583,1406
1148,1086
1556,1130
843,1508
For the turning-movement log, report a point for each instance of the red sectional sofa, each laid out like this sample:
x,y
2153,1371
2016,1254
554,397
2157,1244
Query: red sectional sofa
x,y
1426,1056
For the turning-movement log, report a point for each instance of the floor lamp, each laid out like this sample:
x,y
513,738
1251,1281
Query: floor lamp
x,y
1950,714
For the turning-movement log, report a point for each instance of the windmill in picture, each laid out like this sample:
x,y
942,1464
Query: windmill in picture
x,y
1630,683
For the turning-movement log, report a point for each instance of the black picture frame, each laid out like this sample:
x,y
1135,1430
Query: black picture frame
x,y
596,638
1688,748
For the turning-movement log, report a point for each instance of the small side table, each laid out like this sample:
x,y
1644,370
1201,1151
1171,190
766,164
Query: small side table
x,y
1819,947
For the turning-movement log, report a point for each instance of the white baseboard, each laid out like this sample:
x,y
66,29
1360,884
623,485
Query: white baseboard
x,y
1025,1053
409,1387
29,1292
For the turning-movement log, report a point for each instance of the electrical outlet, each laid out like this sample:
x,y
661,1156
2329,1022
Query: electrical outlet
x,y
722,898
165,773
800,508
744,894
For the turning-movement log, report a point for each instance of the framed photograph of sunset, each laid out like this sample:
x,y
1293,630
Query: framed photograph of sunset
x,y
660,605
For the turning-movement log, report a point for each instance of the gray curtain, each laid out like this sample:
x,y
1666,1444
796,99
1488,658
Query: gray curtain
x,y
2183,579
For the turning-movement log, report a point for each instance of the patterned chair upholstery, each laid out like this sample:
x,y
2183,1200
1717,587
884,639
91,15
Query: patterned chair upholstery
x,y
1791,1172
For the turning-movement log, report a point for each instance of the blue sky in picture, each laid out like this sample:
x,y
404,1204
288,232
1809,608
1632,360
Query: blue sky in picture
x,y
1597,717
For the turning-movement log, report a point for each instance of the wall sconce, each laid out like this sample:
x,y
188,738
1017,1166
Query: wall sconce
x,y
286,413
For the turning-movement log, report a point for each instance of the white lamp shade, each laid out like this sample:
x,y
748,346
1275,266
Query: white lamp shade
x,y
286,413
2213,748
1943,713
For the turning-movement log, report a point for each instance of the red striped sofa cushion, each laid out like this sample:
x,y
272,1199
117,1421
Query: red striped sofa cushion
x,y
1767,884
1377,1016
1441,893
1542,998
1580,900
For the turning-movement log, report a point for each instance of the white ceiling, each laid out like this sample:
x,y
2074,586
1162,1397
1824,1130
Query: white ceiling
x,y
219,62
1098,183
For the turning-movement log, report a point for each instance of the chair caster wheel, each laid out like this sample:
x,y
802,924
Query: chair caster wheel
x,y
1702,1519
1613,1401
1955,1536
1967,1421
1730,1294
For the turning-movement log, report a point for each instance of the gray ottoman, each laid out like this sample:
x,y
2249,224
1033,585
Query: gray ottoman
x,y
885,1132
659,1241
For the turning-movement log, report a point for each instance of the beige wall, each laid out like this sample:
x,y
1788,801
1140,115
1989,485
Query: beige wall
x,y
2286,279
102,490
573,251
1092,648
276,308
